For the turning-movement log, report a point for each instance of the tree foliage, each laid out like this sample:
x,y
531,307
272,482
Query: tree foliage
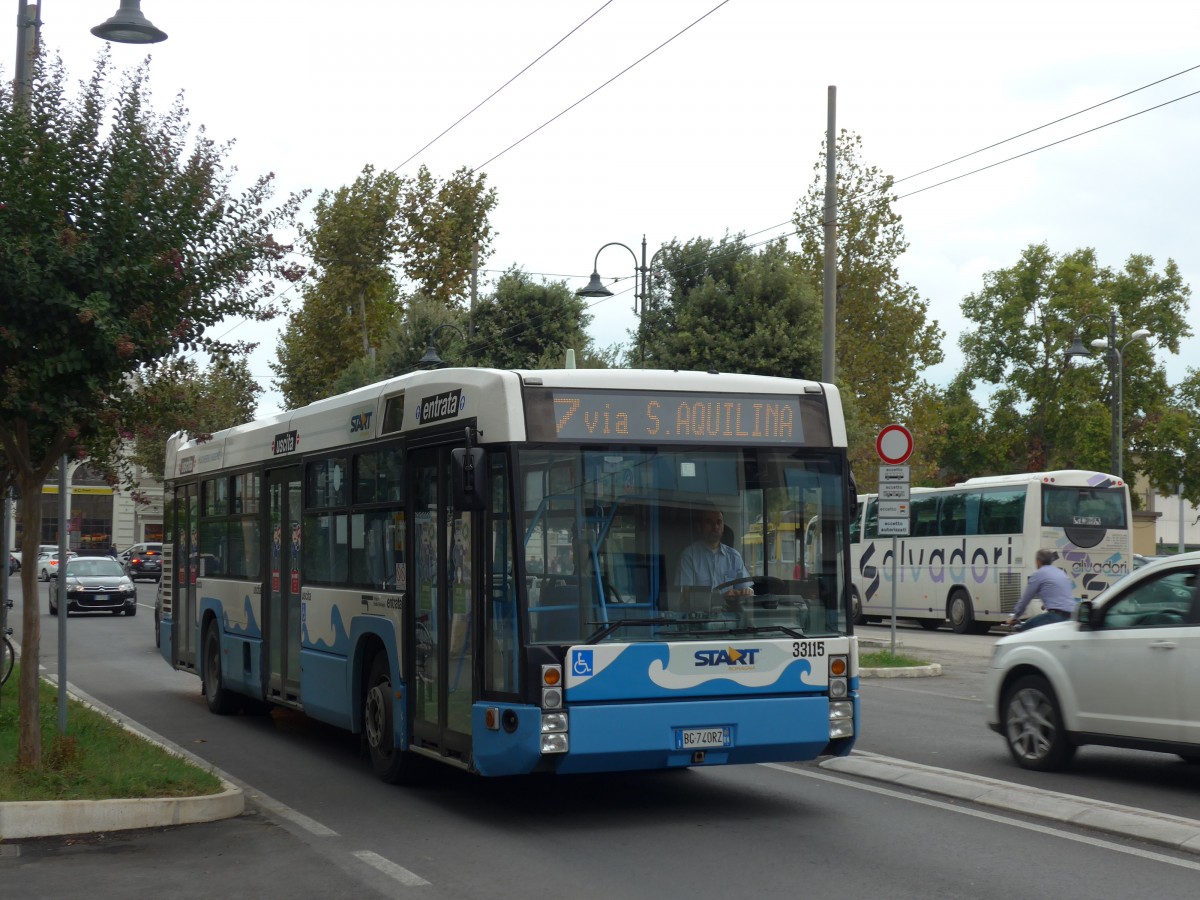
x,y
882,323
175,395
352,300
121,241
726,307
1045,411
375,244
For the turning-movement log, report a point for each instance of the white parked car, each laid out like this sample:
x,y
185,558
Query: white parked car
x,y
1124,672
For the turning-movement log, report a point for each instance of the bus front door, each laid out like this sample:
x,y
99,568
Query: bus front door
x,y
282,615
441,672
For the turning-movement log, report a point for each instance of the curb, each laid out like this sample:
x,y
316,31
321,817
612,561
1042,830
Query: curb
x,y
1174,832
902,671
46,818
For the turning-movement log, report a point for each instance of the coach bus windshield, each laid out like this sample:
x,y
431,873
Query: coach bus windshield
x,y
637,544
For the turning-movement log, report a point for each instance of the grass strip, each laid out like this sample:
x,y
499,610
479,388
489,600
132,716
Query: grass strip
x,y
97,759
885,659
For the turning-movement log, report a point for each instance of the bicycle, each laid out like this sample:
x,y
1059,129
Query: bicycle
x,y
9,653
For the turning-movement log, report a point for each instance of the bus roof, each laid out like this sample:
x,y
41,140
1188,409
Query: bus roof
x,y
491,397
1077,477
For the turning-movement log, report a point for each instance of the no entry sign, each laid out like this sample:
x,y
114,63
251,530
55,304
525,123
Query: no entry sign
x,y
894,444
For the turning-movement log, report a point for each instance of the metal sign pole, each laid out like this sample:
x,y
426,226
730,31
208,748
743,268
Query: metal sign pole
x,y
895,552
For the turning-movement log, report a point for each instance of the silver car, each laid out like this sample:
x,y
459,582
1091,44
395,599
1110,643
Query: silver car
x,y
96,584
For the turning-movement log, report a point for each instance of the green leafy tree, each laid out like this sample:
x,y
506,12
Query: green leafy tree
x,y
882,323
352,300
724,306
530,325
446,232
1045,411
175,395
121,241
366,239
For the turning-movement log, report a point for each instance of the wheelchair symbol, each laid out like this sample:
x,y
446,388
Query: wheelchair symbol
x,y
582,664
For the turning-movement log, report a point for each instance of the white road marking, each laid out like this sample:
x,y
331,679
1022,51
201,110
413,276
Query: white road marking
x,y
312,826
389,868
991,817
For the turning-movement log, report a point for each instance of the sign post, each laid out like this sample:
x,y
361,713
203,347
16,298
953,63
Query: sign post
x,y
894,446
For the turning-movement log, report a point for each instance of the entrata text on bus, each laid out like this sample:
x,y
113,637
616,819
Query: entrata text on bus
x,y
487,568
970,548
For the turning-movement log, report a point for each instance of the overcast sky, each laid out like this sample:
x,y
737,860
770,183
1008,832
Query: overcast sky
x,y
717,131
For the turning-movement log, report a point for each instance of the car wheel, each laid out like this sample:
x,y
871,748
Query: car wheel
x,y
1033,726
43,575
131,610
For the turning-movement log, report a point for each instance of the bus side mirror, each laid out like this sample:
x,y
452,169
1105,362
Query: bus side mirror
x,y
469,476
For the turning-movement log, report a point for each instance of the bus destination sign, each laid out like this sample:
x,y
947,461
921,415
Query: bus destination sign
x,y
642,416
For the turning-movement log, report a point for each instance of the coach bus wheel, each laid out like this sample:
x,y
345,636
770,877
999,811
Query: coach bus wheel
x,y
856,613
961,612
390,764
220,701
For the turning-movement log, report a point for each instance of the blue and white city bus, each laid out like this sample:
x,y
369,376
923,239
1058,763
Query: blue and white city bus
x,y
969,548
478,566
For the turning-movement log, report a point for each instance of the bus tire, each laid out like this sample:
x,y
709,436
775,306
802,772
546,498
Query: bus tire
x,y
961,612
856,613
220,700
390,764
1032,725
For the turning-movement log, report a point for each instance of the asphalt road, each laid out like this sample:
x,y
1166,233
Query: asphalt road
x,y
322,826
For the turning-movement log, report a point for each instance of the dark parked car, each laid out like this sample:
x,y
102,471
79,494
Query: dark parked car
x,y
95,584
143,561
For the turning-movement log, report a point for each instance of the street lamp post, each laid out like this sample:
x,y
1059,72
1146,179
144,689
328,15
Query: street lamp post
x,y
641,281
1117,374
431,360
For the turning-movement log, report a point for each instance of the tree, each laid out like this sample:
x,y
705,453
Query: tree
x,y
722,306
882,323
120,242
174,395
1045,411
530,325
352,300
446,232
365,236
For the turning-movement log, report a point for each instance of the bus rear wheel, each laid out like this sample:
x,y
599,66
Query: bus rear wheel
x,y
220,700
961,613
391,764
856,613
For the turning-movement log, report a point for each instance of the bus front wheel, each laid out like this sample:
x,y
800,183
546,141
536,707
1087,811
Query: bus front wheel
x,y
390,764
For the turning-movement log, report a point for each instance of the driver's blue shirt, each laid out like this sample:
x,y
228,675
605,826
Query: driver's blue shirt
x,y
702,567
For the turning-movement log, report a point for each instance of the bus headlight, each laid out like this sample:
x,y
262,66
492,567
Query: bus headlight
x,y
554,733
841,719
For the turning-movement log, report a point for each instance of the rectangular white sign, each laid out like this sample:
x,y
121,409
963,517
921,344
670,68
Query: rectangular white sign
x,y
893,490
893,473
893,527
893,509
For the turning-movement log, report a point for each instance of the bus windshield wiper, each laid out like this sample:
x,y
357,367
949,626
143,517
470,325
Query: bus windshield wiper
x,y
610,627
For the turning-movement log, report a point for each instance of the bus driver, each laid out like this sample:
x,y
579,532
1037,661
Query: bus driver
x,y
707,563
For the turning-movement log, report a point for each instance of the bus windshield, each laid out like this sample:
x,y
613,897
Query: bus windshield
x,y
634,544
1067,507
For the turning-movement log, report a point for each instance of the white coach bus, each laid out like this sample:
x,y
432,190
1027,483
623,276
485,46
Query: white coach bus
x,y
970,547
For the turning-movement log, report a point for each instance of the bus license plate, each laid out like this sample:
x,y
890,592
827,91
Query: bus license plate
x,y
701,738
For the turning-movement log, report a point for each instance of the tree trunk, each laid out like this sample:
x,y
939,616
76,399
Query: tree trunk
x,y
29,752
